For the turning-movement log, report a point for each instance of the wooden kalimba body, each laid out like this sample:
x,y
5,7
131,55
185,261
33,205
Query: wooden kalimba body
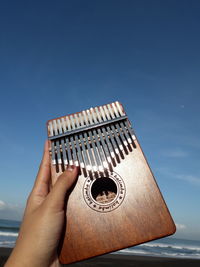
x,y
116,202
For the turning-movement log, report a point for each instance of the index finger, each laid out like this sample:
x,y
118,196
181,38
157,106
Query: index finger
x,y
43,177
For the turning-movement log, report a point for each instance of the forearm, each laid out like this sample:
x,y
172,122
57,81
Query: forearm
x,y
43,220
20,258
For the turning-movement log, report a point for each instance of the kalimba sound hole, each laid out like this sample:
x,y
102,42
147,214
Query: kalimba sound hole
x,y
104,190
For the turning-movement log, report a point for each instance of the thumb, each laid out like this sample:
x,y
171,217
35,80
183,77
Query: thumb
x,y
56,198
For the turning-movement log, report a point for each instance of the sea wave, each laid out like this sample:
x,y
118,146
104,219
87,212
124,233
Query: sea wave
x,y
160,254
130,251
195,255
15,229
7,244
170,246
163,250
8,234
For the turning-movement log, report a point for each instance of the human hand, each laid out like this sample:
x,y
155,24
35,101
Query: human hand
x,y
43,219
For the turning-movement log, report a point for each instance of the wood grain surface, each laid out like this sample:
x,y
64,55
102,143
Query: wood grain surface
x,y
142,216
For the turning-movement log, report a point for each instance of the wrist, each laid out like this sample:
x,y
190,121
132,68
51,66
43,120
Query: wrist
x,y
24,258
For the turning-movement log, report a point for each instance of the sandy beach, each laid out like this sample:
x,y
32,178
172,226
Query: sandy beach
x,y
121,260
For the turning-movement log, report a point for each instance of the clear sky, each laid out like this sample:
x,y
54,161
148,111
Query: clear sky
x,y
60,57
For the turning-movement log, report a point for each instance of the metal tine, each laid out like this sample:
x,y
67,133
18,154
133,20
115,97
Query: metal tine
x,y
112,153
85,156
121,123
114,130
101,137
69,155
100,149
57,143
53,158
91,157
72,143
82,165
62,143
117,126
122,113
96,155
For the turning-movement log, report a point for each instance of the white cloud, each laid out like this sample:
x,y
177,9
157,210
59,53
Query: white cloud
x,y
192,179
2,205
195,180
10,211
175,153
180,226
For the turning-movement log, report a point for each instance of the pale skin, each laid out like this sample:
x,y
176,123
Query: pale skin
x,y
43,219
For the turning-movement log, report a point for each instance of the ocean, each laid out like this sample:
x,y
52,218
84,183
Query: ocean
x,y
8,232
165,247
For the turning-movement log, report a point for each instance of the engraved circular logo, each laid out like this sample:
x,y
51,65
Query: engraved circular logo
x,y
104,194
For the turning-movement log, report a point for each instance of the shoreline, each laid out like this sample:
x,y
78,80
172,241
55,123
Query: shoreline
x,y
119,260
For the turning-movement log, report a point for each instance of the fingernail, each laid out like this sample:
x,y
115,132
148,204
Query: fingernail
x,y
70,168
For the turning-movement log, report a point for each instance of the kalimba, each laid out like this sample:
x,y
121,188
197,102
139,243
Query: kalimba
x,y
116,202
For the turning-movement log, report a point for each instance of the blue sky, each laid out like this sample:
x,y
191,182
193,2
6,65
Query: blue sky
x,y
60,57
